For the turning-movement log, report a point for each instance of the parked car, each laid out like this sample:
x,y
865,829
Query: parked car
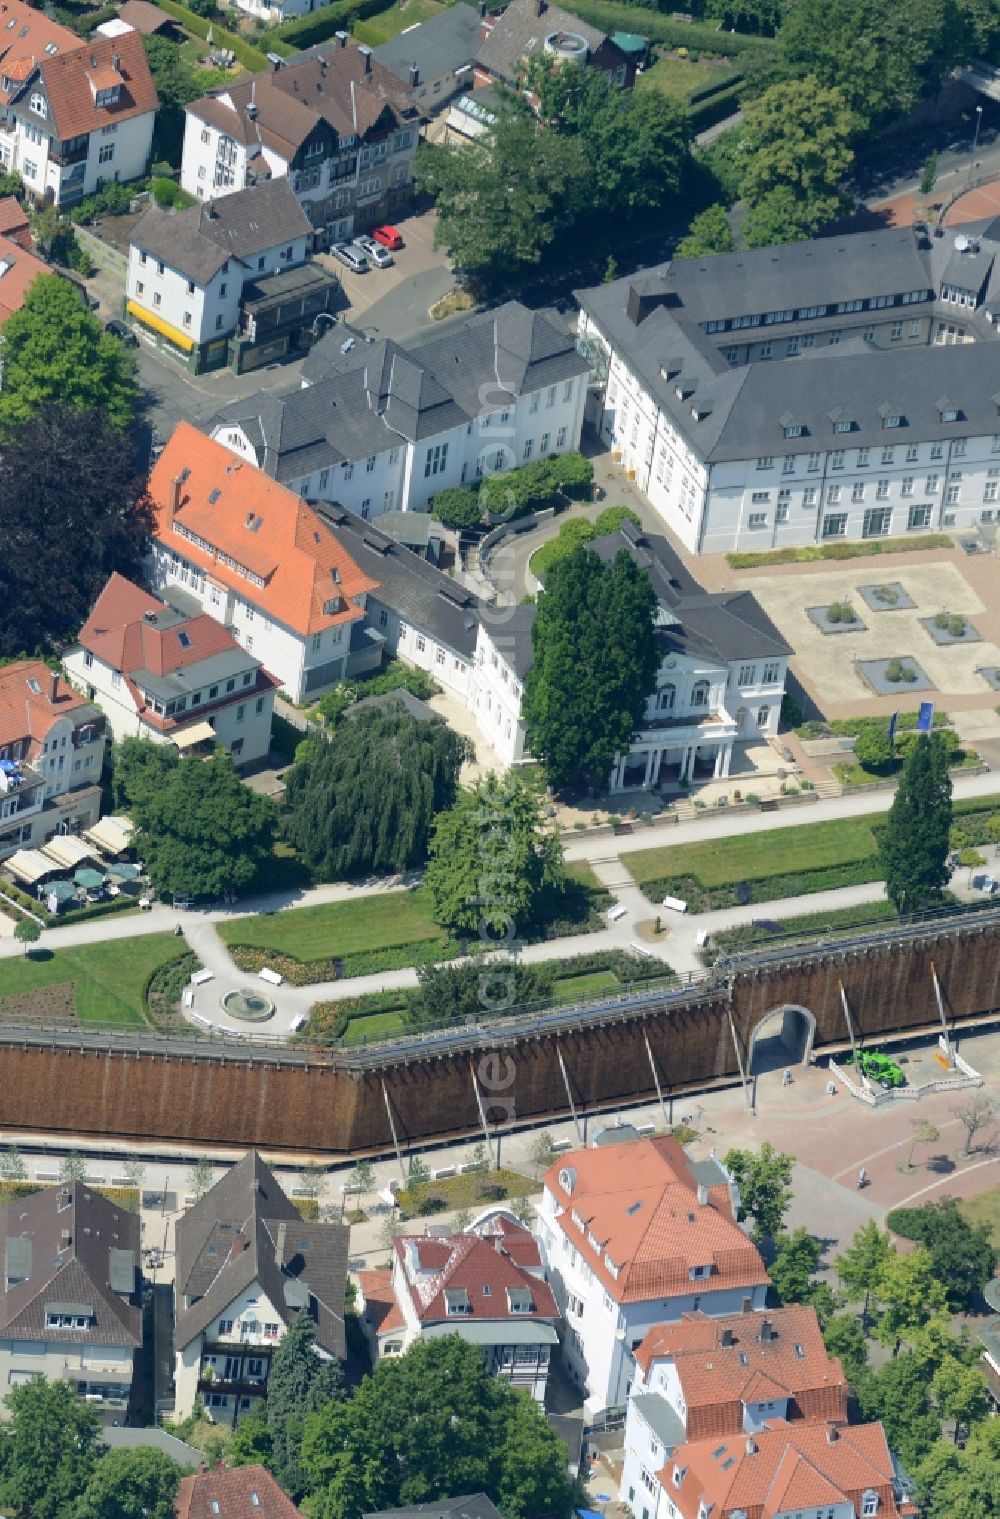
x,y
374,252
351,256
389,237
123,333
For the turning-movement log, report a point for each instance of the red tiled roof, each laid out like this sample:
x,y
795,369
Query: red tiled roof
x,y
427,1268
26,713
19,274
381,1309
259,524
72,78
234,1492
722,1363
14,222
783,1468
640,1203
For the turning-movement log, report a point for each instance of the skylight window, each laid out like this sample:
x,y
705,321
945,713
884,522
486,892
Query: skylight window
x,y
633,1208
214,496
184,639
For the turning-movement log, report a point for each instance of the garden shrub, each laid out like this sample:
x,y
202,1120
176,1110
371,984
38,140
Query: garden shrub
x,y
896,671
610,520
841,611
457,506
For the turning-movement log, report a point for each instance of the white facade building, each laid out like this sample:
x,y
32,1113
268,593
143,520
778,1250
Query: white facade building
x,y
843,389
157,673
633,1235
51,753
74,115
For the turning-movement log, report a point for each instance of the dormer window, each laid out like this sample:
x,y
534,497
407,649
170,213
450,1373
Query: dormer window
x,y
951,415
107,97
38,104
456,1302
519,1300
567,1179
869,1504
677,1475
796,430
843,426
893,419
614,1270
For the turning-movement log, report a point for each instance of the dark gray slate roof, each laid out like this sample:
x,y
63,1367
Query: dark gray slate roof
x,y
654,320
198,241
121,1437
244,1229
67,1238
437,47
361,398
510,630
474,1506
394,701
521,31
420,594
666,1425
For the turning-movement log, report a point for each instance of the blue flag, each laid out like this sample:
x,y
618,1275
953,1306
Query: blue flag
x,y
925,721
894,719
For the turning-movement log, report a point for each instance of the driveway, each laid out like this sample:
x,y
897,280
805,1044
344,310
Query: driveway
x,y
395,302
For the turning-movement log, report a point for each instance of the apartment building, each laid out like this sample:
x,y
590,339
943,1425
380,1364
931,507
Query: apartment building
x,y
487,1286
635,1235
228,281
160,674
260,561
817,1470
840,389
51,753
336,124
71,1304
246,1264
378,428
701,1378
74,114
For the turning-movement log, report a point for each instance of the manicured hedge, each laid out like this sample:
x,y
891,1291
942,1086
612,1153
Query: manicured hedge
x,y
307,31
705,38
199,27
724,82
724,103
701,898
842,549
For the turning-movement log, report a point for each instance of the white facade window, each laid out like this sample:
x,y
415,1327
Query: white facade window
x,y
765,461
38,104
757,520
835,525
561,438
436,460
105,152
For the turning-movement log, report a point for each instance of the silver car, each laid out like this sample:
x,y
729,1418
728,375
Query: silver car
x,y
374,252
351,256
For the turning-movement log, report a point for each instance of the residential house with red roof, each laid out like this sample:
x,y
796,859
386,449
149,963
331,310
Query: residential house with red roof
x,y
172,677
256,558
19,268
242,1492
632,1236
51,752
78,114
488,1287
702,1378
823,1471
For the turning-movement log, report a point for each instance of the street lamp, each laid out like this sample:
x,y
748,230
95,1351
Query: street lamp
x,y
975,142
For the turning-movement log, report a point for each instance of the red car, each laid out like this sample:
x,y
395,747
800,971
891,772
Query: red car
x,y
388,237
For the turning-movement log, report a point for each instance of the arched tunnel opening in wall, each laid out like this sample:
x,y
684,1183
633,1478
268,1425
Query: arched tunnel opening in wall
x,y
783,1037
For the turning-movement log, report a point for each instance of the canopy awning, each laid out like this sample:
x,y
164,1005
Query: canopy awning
x,y
198,733
111,835
69,851
63,891
30,865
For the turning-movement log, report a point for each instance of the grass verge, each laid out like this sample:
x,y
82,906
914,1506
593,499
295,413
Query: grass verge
x,y
813,551
474,1188
109,979
984,1209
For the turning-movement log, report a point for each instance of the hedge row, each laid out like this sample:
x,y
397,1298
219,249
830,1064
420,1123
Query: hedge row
x,y
249,56
610,17
842,549
710,112
366,963
52,920
725,81
340,16
802,883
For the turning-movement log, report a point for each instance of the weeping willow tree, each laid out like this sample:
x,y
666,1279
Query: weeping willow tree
x,y
362,801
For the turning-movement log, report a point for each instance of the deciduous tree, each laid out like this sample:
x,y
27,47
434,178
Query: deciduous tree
x,y
139,1483
54,352
251,1443
365,800
962,1255
96,519
294,1370
961,1484
799,135
974,1113
908,1293
898,1394
913,845
709,233
50,1449
201,1176
203,832
493,860
764,1180
844,1337
860,1267
27,932
595,665
960,1394
796,1257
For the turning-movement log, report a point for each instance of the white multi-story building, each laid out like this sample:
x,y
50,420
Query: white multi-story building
x,y
74,114
71,1306
246,1264
259,560
378,428
634,1235
51,753
160,674
337,125
842,389
190,272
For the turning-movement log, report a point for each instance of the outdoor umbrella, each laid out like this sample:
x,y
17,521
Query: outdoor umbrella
x,y
61,890
90,879
123,872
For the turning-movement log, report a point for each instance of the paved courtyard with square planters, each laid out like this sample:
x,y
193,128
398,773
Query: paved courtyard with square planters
x,y
842,663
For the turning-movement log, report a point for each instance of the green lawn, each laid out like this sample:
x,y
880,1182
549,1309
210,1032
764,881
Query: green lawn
x,y
373,1027
398,18
336,929
109,979
984,1209
677,78
756,856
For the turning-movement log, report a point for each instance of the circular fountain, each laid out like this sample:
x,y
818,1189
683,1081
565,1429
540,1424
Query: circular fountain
x,y
248,1005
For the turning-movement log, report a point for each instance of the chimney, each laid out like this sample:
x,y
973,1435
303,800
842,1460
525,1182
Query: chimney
x,y
498,1243
751,1447
174,499
766,1332
832,1434
366,58
53,686
116,62
702,1194
341,38
279,1248
414,76
728,1338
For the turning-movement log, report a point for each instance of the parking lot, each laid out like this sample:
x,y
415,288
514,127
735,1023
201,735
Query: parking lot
x,y
395,302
